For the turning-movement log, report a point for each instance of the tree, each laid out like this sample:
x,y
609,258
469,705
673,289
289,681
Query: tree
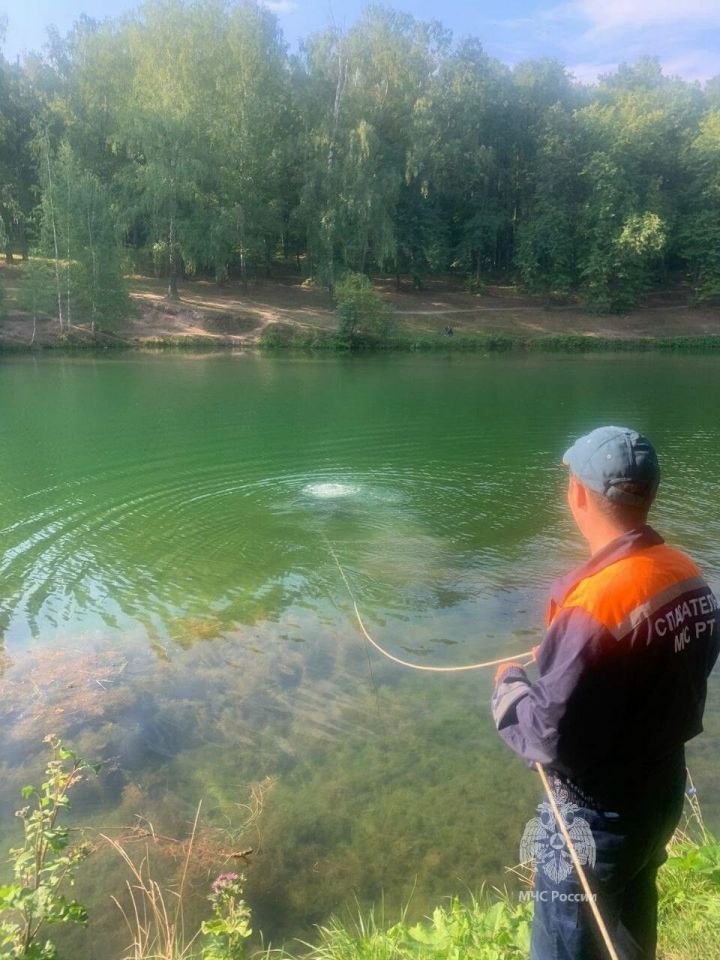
x,y
202,125
37,292
3,239
386,146
361,312
458,161
630,143
78,233
159,130
364,87
700,222
245,113
546,252
19,108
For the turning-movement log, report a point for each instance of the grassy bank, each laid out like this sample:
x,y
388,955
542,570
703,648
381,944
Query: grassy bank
x,y
331,343
493,343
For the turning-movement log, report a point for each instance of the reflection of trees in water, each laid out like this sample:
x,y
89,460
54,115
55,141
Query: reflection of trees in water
x,y
44,587
179,554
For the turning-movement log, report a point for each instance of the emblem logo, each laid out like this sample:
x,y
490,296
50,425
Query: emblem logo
x,y
544,845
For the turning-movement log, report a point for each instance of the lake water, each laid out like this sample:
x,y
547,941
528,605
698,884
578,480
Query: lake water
x,y
169,603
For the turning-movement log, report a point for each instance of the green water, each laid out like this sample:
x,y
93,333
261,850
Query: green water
x,y
169,603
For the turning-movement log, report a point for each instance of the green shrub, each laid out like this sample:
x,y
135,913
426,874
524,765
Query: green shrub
x,y
45,863
361,312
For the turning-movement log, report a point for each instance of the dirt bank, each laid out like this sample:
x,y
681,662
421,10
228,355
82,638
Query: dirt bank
x,y
230,316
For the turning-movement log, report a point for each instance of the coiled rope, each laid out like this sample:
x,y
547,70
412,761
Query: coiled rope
x,y
528,657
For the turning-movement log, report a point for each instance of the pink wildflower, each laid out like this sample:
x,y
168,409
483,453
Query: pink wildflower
x,y
224,880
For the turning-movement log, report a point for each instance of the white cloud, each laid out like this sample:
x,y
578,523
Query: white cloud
x,y
691,65
618,14
281,6
594,36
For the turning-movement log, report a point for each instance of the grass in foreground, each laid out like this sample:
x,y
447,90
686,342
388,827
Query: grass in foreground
x,y
480,930
689,888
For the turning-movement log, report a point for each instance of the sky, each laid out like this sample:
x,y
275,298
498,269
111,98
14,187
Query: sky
x,y
590,37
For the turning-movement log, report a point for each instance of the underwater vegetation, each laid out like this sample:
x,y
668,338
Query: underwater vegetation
x,y
164,920
355,778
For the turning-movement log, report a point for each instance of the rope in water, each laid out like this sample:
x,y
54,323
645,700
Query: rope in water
x,y
526,656
529,657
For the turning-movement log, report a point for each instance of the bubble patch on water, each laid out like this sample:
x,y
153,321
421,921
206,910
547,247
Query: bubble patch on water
x,y
330,491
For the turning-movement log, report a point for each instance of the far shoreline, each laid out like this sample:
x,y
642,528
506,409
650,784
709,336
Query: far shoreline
x,y
102,345
286,314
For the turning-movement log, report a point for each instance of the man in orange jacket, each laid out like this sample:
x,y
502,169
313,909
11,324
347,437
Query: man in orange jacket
x,y
632,636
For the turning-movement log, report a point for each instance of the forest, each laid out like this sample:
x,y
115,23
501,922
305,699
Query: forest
x,y
188,140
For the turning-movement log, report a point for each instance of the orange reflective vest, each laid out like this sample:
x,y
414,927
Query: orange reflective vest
x,y
631,638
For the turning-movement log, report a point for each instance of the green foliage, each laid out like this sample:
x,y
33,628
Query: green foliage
x,y
230,926
203,74
385,147
546,253
361,311
699,234
289,338
689,891
360,93
79,234
37,290
45,864
475,284
20,110
619,269
485,929
3,239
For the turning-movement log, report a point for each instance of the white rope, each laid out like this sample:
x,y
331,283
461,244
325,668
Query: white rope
x,y
427,667
578,866
528,656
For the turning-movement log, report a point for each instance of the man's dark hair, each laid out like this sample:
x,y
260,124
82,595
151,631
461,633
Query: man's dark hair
x,y
623,514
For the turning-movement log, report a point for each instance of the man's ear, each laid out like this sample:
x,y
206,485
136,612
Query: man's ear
x,y
581,497
577,494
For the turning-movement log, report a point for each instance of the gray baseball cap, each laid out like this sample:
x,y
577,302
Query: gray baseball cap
x,y
608,456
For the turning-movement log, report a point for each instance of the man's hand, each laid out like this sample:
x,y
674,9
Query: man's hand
x,y
535,652
503,668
